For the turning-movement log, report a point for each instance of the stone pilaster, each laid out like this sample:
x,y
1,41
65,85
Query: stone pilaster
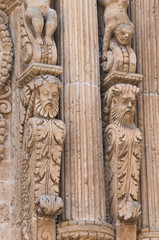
x,y
145,17
83,169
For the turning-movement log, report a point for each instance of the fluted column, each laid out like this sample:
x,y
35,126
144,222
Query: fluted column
x,y
82,187
145,17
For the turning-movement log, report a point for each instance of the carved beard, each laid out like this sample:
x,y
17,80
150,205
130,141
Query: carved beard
x,y
119,119
47,113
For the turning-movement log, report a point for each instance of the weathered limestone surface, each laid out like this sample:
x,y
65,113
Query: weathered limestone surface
x,y
31,199
82,172
122,138
145,18
38,137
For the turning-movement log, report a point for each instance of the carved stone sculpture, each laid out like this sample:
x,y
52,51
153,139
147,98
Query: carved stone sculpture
x,y
36,12
117,53
38,24
42,147
6,58
123,155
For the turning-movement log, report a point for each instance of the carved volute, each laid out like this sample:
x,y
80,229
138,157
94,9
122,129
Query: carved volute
x,y
42,134
6,59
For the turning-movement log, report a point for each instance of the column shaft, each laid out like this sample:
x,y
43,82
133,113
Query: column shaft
x,y
145,17
83,172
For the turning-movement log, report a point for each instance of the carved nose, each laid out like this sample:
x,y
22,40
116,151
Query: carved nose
x,y
50,96
129,104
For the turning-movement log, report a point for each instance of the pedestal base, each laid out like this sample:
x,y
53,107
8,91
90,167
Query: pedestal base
x,y
148,234
126,231
85,230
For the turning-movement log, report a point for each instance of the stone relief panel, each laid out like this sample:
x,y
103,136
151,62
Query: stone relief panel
x,y
42,147
6,59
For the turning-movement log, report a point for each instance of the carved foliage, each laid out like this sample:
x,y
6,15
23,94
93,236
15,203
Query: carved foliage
x,y
123,152
6,58
43,138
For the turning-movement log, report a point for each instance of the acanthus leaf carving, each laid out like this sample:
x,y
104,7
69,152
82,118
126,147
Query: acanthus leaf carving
x,y
122,154
42,144
6,59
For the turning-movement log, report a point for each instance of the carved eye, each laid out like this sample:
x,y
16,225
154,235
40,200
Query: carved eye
x,y
54,94
45,93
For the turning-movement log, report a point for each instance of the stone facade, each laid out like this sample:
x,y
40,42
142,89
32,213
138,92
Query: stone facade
x,y
79,120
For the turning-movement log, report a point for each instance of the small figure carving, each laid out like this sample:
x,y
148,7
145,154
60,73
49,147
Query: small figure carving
x,y
117,23
123,152
38,12
42,144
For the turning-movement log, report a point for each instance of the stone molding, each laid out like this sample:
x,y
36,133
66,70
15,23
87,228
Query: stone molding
x,y
86,229
5,82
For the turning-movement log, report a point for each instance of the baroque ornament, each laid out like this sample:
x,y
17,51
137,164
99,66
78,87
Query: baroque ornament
x,y
117,53
122,155
6,59
42,146
38,24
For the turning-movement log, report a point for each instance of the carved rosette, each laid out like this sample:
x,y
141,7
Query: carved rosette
x,y
6,59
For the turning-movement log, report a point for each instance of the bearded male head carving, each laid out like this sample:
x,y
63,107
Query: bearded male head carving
x,y
41,97
121,102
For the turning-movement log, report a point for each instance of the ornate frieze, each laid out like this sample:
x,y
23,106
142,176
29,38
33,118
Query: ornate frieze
x,y
6,59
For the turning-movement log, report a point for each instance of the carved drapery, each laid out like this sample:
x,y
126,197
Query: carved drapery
x,y
122,138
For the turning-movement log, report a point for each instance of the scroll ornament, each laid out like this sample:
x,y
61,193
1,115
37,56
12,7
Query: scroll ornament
x,y
123,151
42,146
117,54
6,59
38,24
